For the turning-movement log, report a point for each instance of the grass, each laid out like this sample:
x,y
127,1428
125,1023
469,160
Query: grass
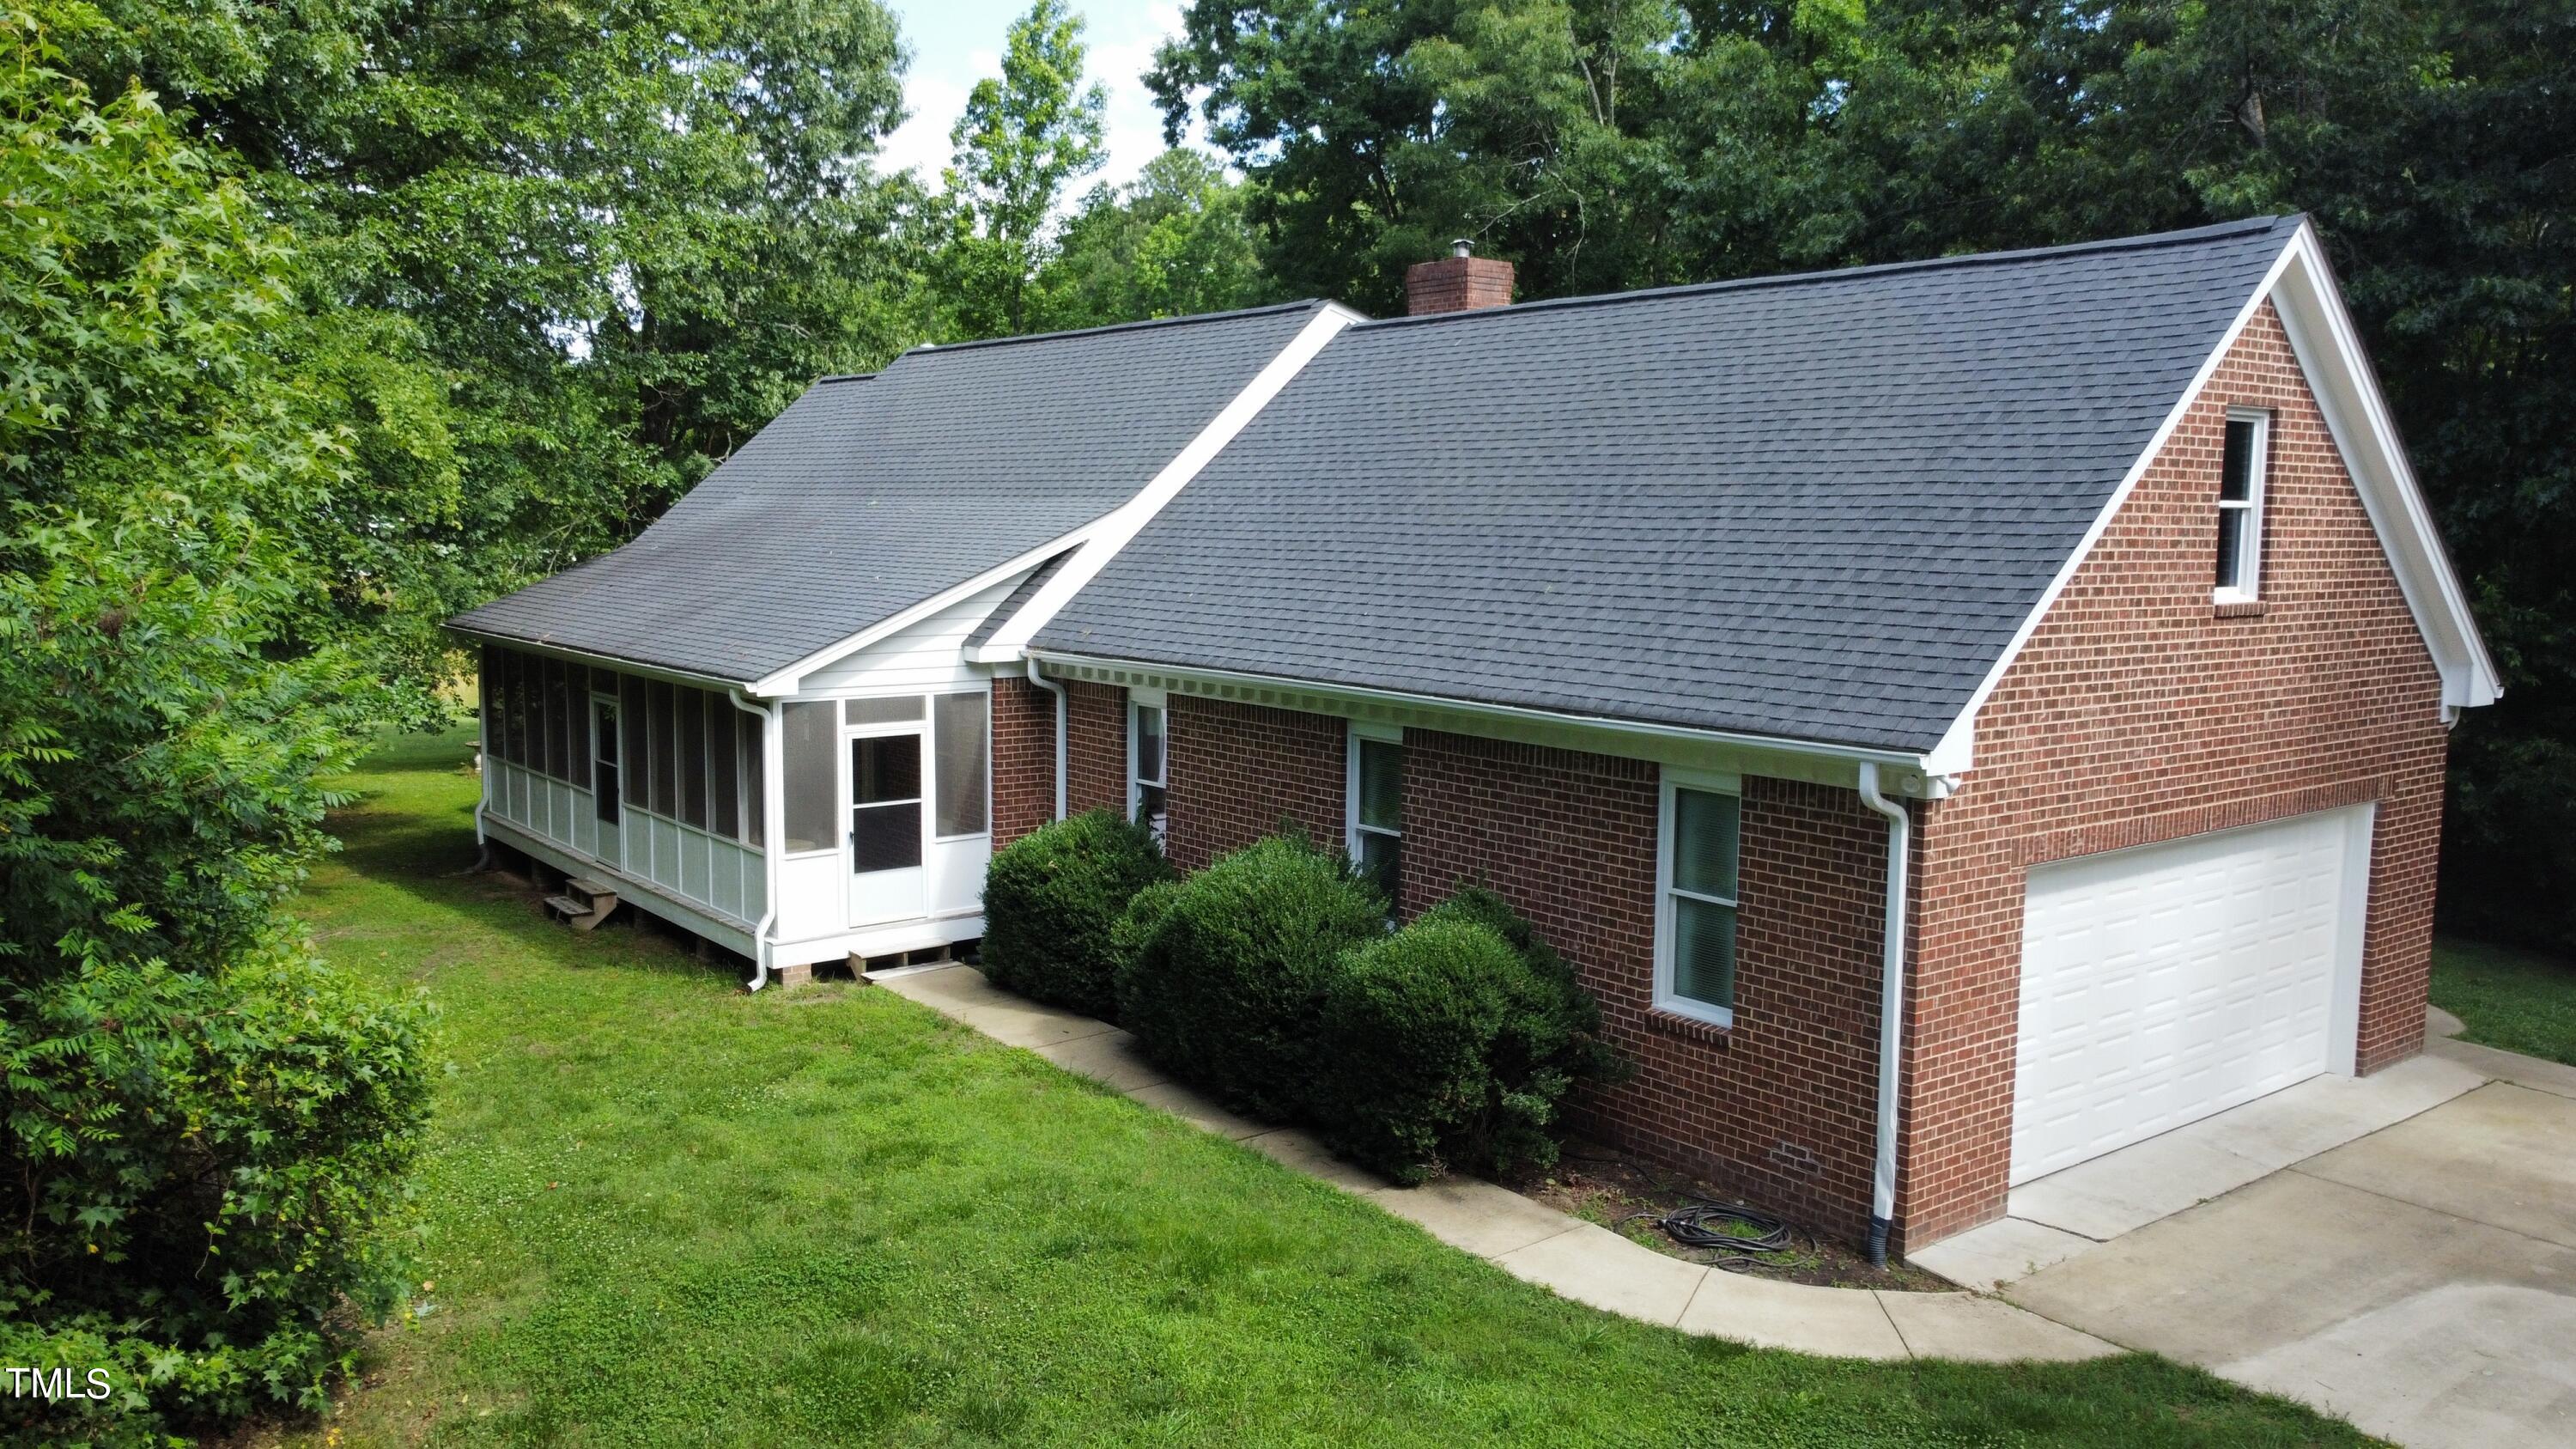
x,y
659,1211
2506,998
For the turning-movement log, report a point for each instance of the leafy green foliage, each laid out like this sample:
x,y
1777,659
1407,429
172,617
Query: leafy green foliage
x,y
625,236
1053,900
1442,1044
209,1165
1175,242
205,1129
1024,137
1226,979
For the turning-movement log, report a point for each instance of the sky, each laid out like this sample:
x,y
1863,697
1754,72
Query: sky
x,y
956,43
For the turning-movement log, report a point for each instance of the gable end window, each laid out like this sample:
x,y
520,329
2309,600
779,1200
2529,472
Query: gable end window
x,y
1148,759
2240,507
1695,876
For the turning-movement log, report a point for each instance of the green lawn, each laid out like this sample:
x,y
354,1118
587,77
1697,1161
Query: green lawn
x,y
658,1211
2511,999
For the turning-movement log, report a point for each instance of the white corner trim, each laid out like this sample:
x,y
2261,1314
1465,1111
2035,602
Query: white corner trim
x,y
783,681
1116,530
2298,282
2339,375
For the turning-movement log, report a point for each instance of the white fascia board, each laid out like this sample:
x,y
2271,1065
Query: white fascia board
x,y
1116,530
1957,751
1935,783
2339,374
596,659
2302,289
783,681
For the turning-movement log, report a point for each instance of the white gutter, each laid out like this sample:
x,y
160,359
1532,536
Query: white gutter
x,y
1935,783
772,796
1051,687
1891,1007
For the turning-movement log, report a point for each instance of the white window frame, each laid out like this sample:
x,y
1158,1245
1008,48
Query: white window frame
x,y
930,760
1153,699
1385,734
1709,783
2248,587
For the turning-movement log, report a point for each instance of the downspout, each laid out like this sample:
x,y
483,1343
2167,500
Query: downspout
x,y
770,785
482,773
1891,1007
1056,689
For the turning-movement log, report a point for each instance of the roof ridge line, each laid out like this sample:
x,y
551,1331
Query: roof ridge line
x,y
1143,324
2143,242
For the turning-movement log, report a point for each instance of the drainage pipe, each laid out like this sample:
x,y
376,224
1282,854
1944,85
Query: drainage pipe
x,y
1891,1007
1056,689
482,801
772,790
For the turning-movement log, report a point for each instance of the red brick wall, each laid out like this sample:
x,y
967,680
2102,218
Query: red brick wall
x,y
1780,1108
1023,758
2136,713
1238,771
1096,762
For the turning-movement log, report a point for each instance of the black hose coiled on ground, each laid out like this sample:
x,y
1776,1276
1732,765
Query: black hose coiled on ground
x,y
1694,1225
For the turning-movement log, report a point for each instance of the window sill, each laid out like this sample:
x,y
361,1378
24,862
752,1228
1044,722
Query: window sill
x,y
2240,608
1688,1028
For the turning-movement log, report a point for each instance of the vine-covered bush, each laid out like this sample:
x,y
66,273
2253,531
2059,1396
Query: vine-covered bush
x,y
1454,1042
1226,976
1053,900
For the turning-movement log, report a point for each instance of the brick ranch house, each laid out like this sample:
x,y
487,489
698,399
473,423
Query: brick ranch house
x,y
2088,586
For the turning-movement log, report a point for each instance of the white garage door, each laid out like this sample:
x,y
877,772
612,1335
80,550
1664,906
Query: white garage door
x,y
2161,984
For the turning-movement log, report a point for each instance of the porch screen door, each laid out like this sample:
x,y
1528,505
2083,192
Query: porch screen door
x,y
885,827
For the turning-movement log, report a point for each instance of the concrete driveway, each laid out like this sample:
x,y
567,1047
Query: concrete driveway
x,y
2399,1251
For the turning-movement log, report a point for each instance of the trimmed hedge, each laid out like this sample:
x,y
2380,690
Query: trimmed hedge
x,y
1053,901
1452,1043
1564,1033
1227,970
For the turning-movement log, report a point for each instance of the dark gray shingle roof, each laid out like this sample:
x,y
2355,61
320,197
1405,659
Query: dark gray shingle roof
x,y
1813,507
868,496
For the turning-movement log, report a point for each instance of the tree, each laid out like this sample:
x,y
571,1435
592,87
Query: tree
x,y
206,1130
628,236
1022,138
1173,242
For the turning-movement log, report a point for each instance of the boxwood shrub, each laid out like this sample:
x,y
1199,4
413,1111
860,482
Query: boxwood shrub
x,y
1565,1032
1053,900
1454,1043
1227,971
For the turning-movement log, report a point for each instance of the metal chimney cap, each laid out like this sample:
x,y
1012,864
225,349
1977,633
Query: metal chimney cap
x,y
1461,247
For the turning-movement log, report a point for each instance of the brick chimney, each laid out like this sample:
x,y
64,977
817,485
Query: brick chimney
x,y
1458,282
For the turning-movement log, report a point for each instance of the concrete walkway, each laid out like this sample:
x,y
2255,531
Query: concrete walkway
x,y
2398,1250
1576,1259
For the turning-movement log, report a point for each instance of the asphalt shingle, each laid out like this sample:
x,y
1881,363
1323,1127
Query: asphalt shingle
x,y
1813,507
869,495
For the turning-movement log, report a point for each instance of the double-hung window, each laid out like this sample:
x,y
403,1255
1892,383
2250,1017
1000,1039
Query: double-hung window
x,y
1374,786
1148,758
2240,507
1695,876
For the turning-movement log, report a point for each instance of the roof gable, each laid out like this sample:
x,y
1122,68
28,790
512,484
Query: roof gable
x,y
869,497
1816,507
